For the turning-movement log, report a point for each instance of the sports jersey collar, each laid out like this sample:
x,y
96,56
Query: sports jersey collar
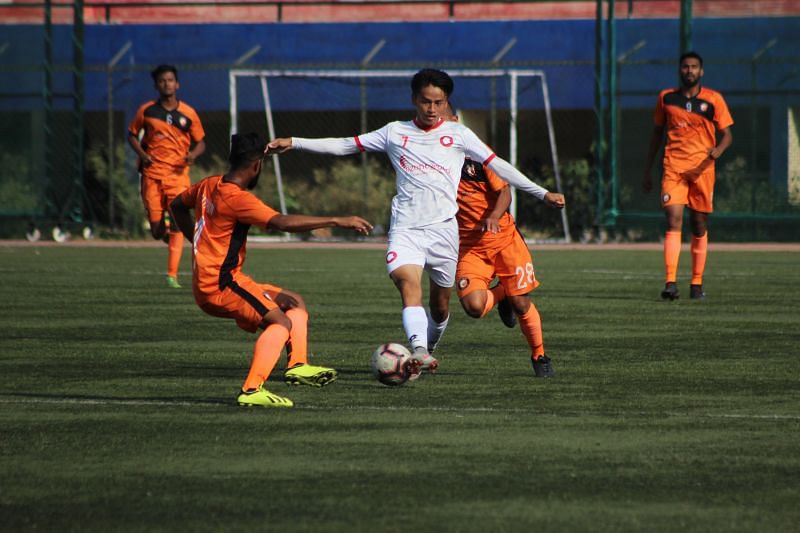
x,y
428,128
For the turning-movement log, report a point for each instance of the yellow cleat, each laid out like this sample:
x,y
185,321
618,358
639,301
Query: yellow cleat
x,y
263,398
305,374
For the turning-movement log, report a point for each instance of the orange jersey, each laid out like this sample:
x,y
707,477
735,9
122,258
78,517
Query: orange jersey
x,y
167,137
224,215
692,125
478,191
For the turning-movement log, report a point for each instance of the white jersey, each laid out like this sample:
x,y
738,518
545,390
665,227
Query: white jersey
x,y
427,163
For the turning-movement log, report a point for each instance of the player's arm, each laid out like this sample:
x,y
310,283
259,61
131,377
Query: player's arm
x,y
724,142
492,221
299,223
196,152
182,216
655,145
514,177
144,157
329,145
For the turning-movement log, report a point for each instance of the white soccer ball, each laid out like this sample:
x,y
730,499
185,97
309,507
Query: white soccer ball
x,y
392,365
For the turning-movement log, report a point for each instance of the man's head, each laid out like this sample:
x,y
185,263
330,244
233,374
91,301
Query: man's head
x,y
430,90
690,69
165,78
247,156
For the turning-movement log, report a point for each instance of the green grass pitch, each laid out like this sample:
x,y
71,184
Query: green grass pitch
x,y
117,402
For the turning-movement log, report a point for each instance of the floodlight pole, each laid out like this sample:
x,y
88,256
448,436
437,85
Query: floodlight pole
x,y
686,25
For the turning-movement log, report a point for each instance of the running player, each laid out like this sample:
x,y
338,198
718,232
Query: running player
x,y
170,127
225,211
427,154
693,116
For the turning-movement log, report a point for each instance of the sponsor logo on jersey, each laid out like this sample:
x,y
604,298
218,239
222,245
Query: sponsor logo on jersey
x,y
182,122
446,141
703,107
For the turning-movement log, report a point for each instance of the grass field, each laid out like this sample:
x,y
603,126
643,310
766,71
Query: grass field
x,y
117,402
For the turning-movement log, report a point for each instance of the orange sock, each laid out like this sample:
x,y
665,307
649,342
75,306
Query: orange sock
x,y
531,325
672,252
266,353
297,348
493,296
175,251
699,249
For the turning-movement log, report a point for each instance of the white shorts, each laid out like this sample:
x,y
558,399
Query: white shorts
x,y
434,248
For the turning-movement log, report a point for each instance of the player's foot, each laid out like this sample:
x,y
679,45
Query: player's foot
x,y
542,367
172,282
314,376
670,291
506,313
263,398
427,362
696,292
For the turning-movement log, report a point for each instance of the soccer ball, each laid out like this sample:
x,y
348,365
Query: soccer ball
x,y
392,365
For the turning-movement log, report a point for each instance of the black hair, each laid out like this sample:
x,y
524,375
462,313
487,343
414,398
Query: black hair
x,y
691,54
161,69
430,76
246,148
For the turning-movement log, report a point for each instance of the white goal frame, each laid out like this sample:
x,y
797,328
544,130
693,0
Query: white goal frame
x,y
512,74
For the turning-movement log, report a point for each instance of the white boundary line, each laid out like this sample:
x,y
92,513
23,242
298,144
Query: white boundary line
x,y
33,400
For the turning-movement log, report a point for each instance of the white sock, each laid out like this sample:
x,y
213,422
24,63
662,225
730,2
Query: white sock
x,y
415,323
435,331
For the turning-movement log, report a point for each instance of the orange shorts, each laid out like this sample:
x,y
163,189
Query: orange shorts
x,y
245,300
157,194
512,264
695,189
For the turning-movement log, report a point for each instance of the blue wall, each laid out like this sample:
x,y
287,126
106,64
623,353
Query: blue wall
x,y
564,48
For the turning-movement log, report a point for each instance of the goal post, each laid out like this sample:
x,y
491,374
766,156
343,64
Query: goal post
x,y
328,89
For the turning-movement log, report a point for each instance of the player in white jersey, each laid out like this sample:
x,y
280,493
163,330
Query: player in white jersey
x,y
427,154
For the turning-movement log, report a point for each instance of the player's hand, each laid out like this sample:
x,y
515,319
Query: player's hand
x,y
358,224
714,153
279,146
146,160
190,157
647,182
555,199
492,225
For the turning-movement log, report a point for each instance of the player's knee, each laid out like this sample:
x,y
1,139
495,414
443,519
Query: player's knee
x,y
520,304
472,308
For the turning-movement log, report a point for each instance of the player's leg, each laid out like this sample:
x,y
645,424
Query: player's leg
x,y
153,206
404,262
175,237
701,195
441,260
674,196
474,273
439,314
252,309
299,370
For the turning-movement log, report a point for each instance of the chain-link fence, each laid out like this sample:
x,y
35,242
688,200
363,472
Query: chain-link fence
x,y
753,63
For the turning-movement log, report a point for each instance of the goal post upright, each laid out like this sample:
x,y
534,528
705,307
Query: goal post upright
x,y
512,74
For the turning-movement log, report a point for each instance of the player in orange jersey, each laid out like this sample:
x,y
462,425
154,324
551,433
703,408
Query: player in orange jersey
x,y
490,245
225,210
698,131
170,127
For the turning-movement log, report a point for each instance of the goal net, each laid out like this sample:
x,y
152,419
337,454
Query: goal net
x,y
508,108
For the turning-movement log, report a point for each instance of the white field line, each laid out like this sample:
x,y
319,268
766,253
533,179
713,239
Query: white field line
x,y
33,400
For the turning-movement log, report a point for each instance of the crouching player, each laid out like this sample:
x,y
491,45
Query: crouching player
x,y
489,246
225,211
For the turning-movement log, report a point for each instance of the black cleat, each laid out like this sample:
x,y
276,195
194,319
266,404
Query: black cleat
x,y
670,291
506,313
696,292
542,368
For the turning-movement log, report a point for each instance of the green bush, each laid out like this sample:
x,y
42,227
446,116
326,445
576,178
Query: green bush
x,y
17,193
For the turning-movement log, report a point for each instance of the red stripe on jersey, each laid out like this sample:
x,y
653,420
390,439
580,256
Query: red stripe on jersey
x,y
489,159
358,143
